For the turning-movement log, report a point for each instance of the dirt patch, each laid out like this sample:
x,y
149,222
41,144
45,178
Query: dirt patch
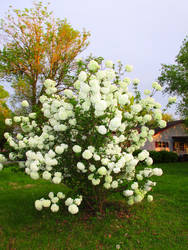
x,y
29,186
13,184
17,186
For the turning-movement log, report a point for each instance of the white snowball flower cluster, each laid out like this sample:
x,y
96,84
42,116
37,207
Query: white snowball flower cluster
x,y
172,100
156,86
51,202
88,138
73,204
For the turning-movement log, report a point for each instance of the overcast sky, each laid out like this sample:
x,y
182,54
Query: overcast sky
x,y
144,33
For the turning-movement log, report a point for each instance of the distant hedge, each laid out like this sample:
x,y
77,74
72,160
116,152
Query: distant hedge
x,y
161,156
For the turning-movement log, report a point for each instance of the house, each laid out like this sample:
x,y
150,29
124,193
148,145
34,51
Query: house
x,y
174,137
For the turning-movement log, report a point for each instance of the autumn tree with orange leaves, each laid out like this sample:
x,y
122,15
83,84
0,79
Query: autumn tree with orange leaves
x,y
5,112
37,46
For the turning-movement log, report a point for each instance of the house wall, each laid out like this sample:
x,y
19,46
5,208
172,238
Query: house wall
x,y
166,136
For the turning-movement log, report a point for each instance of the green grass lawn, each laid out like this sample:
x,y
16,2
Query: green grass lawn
x,y
162,224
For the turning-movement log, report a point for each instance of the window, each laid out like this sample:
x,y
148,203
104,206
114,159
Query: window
x,y
179,146
182,146
161,144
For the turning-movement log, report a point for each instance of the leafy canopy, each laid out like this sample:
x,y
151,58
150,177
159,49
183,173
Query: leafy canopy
x,y
4,113
37,46
175,78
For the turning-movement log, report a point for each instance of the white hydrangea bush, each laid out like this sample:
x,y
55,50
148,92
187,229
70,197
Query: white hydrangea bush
x,y
88,137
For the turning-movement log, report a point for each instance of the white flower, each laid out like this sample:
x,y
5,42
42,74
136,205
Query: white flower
x,y
118,246
8,122
56,180
77,85
109,64
38,205
106,185
93,65
6,135
123,99
42,98
62,115
172,100
2,158
59,149
136,108
108,178
138,198
96,157
91,149
46,203
139,177
110,75
17,119
156,86
128,193
101,74
102,171
90,177
149,161
147,92
92,168
162,124
46,175
48,83
143,155
114,184
87,154
54,208
80,166
77,149
60,195
84,89
130,201
98,113
134,185
73,209
77,201
129,68
136,81
58,174
150,198
51,195
68,93
72,122
100,105
115,123
69,201
25,104
116,170
55,199
32,115
157,171
95,182
34,175
102,130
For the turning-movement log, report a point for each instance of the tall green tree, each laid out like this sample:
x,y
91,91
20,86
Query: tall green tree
x,y
38,46
174,78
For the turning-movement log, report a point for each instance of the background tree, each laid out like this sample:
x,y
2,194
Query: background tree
x,y
4,113
37,46
175,78
167,117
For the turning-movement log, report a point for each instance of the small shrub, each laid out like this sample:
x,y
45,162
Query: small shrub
x,y
88,138
163,156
